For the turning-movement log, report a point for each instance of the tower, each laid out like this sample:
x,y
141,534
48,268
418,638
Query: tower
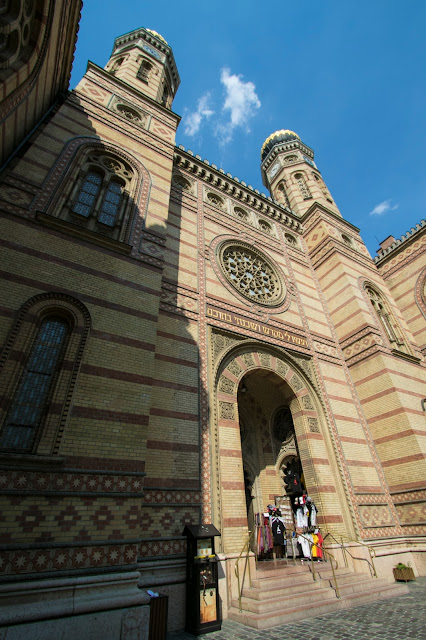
x,y
291,175
144,60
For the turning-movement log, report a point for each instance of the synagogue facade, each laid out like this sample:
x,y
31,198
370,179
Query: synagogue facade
x,y
175,344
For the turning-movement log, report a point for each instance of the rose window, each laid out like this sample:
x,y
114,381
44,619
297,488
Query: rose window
x,y
251,275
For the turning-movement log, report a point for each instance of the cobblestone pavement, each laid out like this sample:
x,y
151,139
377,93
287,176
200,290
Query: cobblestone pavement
x,y
401,618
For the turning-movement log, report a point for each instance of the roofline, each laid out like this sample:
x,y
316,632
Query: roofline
x,y
385,254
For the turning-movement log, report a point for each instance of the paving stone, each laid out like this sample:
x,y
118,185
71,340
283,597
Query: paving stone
x,y
401,618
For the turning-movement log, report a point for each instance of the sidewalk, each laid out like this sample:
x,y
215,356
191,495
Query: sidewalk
x,y
402,618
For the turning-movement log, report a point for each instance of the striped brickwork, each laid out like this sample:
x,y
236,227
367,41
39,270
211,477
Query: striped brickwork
x,y
144,435
82,506
386,383
403,270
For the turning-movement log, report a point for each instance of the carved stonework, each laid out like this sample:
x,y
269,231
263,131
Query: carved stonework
x,y
226,410
128,111
282,368
306,366
288,448
220,343
265,359
307,403
215,200
226,385
296,383
313,425
234,368
182,183
265,226
248,359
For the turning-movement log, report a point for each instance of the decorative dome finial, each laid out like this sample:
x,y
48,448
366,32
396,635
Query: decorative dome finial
x,y
278,136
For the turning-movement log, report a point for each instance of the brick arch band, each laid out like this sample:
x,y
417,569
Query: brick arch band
x,y
309,421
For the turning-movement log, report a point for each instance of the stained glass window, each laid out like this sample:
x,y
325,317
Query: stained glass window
x,y
88,193
111,204
251,275
31,396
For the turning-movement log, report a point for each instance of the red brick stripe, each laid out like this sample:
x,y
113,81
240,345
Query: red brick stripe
x,y
47,257
405,460
173,414
172,446
105,414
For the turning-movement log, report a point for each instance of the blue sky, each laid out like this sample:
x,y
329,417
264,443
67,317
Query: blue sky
x,y
348,77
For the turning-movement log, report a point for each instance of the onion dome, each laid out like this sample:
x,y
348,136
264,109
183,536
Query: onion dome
x,y
157,35
284,135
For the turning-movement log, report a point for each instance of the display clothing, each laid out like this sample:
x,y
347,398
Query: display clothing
x,y
278,530
302,516
304,543
320,543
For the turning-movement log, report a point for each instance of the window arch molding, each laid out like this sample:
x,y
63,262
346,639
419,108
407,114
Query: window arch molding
x,y
15,356
63,180
385,316
420,292
301,180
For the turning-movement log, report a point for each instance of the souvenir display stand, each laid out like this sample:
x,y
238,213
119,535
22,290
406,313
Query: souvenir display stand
x,y
202,588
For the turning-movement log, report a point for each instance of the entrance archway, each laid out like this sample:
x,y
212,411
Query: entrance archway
x,y
255,382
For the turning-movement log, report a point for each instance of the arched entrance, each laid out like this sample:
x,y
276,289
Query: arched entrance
x,y
268,442
258,394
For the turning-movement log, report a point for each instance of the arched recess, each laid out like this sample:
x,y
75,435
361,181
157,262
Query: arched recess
x,y
322,477
33,313
63,176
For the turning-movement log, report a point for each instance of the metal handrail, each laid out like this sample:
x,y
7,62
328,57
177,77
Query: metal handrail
x,y
246,548
314,544
371,551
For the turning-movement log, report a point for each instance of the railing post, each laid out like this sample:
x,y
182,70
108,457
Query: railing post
x,y
312,561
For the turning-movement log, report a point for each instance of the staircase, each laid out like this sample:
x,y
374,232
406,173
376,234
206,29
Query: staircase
x,y
282,592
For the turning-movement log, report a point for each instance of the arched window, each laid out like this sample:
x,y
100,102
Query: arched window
x,y
145,71
116,65
165,97
301,182
32,394
38,371
385,316
100,197
86,198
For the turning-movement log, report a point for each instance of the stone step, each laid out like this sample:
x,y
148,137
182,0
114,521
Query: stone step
x,y
261,590
282,601
282,595
291,614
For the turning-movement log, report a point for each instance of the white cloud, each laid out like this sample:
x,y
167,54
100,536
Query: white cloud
x,y
193,120
383,207
241,101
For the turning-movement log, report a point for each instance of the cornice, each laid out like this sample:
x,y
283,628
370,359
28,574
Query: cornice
x,y
239,190
330,246
317,205
286,146
400,244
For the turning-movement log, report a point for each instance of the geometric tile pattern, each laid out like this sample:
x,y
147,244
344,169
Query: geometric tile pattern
x,y
19,561
70,481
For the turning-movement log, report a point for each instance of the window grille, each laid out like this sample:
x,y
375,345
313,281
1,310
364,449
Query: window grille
x,y
89,191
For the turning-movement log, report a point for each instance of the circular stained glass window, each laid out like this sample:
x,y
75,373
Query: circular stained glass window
x,y
251,274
